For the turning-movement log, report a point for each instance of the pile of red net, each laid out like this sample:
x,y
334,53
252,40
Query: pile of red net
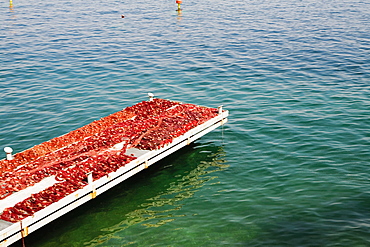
x,y
98,148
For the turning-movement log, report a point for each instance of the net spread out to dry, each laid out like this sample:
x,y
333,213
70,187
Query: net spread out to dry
x,y
98,148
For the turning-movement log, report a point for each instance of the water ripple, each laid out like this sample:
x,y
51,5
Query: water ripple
x,y
294,75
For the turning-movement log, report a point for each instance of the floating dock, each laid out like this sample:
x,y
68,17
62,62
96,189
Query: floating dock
x,y
47,181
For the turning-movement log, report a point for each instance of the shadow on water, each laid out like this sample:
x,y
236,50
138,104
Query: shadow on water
x,y
150,198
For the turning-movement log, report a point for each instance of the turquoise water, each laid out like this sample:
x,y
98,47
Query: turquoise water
x,y
290,168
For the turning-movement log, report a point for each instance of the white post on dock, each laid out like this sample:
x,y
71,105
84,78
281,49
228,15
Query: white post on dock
x,y
89,178
151,96
90,181
8,151
220,109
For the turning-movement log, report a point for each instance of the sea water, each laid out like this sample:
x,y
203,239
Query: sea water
x,y
290,168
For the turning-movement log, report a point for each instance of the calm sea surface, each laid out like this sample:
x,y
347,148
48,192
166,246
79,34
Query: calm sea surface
x,y
290,168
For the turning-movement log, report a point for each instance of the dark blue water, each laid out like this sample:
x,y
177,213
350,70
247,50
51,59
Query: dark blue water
x,y
290,168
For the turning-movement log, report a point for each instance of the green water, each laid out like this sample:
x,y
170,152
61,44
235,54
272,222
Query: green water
x,y
291,166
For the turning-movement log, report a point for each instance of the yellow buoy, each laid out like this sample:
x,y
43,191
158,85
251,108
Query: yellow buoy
x,y
179,2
